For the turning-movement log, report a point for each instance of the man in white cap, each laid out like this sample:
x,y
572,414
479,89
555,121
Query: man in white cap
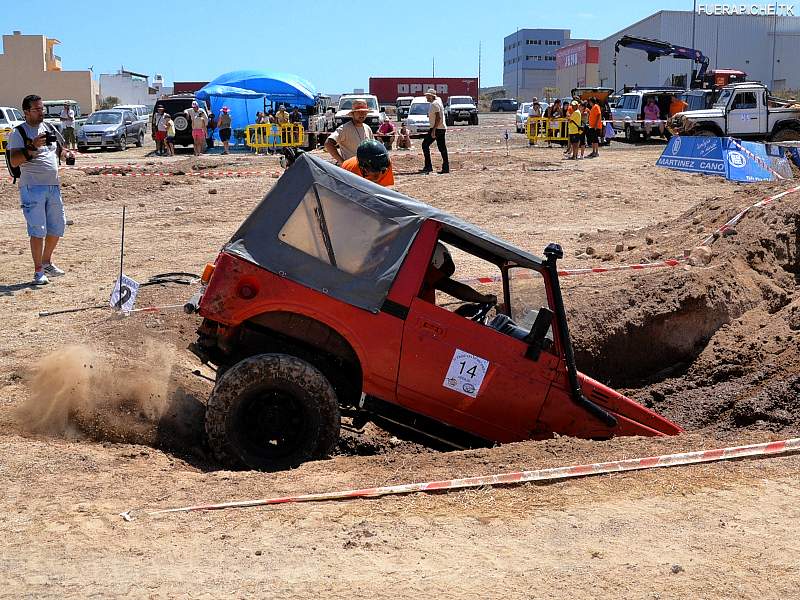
x,y
343,143
199,121
436,132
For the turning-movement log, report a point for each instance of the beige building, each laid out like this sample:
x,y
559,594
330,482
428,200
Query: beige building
x,y
28,65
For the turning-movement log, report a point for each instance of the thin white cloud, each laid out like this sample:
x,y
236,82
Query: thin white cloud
x,y
584,15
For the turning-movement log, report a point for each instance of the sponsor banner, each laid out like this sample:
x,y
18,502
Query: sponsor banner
x,y
694,154
727,157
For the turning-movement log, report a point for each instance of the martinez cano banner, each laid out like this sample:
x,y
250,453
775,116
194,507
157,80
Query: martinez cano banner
x,y
727,157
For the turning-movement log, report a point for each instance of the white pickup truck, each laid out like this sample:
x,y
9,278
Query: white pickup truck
x,y
742,110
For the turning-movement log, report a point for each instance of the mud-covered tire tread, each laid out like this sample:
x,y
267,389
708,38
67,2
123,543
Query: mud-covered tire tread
x,y
256,370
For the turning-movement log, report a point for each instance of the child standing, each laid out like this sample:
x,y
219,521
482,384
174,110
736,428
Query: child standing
x,y
170,139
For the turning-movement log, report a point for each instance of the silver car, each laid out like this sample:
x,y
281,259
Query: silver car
x,y
111,129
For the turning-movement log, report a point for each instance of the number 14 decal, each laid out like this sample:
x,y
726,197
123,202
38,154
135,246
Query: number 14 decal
x,y
466,372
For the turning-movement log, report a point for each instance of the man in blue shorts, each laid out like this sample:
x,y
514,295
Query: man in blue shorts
x,y
36,154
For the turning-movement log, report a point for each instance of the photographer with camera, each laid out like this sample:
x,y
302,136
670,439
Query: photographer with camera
x,y
35,148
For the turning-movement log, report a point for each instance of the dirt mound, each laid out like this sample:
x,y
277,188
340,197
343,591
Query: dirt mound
x,y
708,347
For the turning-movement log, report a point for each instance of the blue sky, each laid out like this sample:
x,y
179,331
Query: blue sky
x,y
337,46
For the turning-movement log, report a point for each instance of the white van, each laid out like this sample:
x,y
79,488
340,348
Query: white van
x,y
417,119
140,110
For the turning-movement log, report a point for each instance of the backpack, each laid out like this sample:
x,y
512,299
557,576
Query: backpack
x,y
16,172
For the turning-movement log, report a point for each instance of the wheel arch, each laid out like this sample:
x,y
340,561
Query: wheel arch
x,y
313,340
785,124
708,126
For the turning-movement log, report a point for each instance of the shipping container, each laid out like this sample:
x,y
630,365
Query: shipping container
x,y
387,89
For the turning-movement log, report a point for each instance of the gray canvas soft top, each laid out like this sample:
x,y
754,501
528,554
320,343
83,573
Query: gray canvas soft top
x,y
337,233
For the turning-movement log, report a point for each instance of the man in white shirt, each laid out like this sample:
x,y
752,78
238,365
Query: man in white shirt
x,y
436,132
343,143
68,127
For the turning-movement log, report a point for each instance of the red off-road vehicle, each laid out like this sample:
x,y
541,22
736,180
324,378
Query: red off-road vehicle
x,y
330,300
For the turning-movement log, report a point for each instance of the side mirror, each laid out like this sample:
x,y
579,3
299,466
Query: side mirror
x,y
537,338
128,122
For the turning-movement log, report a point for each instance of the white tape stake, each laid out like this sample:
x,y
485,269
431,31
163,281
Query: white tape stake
x,y
634,464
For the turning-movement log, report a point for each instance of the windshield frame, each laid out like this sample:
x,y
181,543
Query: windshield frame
x,y
520,293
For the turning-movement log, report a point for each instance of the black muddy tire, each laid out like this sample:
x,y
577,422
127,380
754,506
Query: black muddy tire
x,y
272,412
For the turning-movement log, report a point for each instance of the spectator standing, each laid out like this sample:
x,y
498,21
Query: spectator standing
x,y
371,162
387,133
281,117
436,133
210,128
224,124
595,129
68,126
677,105
159,127
34,147
574,129
584,106
568,110
269,117
553,113
199,121
536,108
169,141
343,143
296,116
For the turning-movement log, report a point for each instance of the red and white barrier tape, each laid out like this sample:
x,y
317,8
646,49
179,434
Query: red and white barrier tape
x,y
730,224
556,473
757,159
138,173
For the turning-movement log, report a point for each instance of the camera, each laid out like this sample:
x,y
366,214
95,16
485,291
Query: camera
x,y
50,137
70,160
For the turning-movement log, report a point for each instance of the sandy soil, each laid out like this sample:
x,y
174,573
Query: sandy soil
x,y
715,348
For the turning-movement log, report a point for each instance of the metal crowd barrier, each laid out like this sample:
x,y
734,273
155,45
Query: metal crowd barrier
x,y
272,135
546,129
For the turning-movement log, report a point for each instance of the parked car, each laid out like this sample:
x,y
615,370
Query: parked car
x,y
628,115
460,108
374,118
417,120
111,128
504,105
140,110
10,117
176,106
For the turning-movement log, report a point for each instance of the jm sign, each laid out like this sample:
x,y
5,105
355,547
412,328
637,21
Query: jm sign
x,y
783,10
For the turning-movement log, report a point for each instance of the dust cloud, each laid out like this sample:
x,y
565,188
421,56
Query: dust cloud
x,y
75,391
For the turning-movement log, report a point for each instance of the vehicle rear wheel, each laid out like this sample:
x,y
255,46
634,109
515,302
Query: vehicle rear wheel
x,y
786,135
704,133
140,140
272,412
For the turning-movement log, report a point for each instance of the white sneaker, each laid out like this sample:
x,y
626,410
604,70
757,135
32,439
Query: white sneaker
x,y
52,270
39,278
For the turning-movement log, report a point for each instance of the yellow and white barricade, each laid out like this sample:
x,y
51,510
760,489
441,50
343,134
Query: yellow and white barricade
x,y
546,129
272,135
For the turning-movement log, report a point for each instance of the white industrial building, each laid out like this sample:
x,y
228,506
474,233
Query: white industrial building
x,y
767,48
132,88
529,61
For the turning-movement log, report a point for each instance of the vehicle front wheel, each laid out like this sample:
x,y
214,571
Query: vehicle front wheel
x,y
704,133
123,142
272,412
